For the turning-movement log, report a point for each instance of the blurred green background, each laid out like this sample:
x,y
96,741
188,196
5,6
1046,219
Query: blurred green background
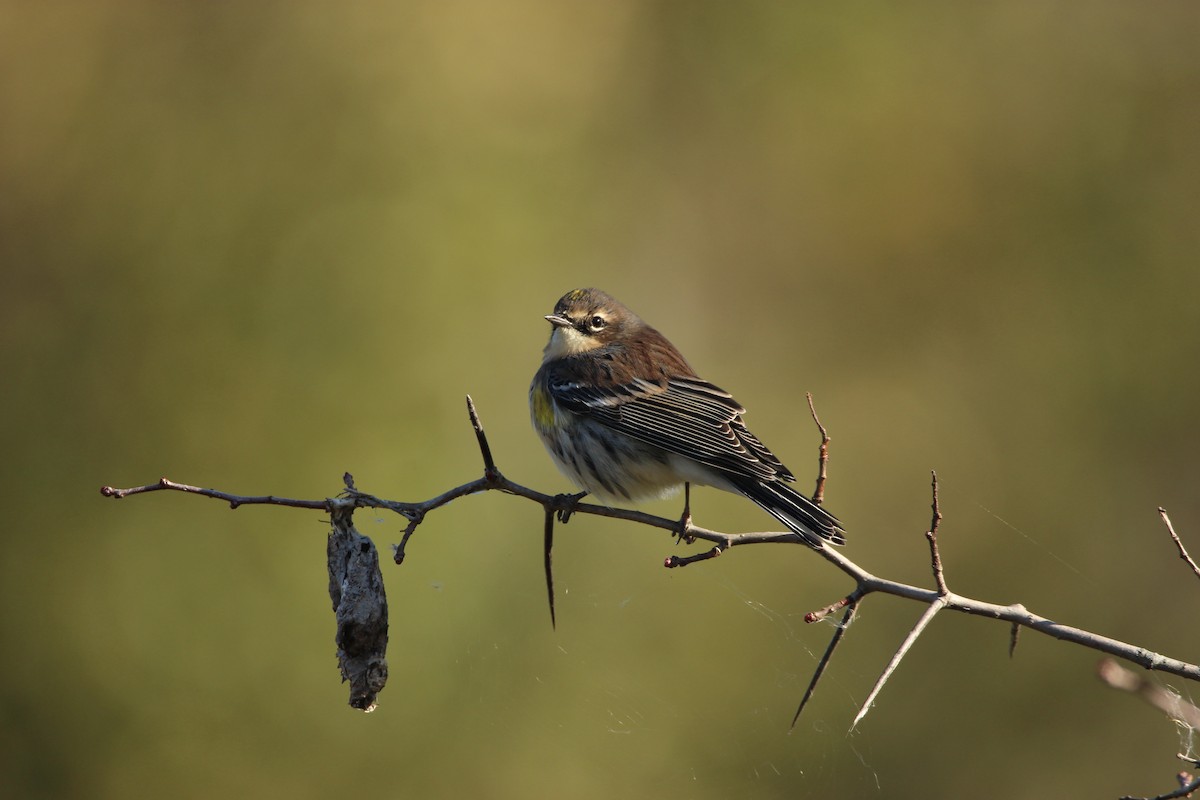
x,y
252,246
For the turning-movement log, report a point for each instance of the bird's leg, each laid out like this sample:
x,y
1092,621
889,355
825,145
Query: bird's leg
x,y
685,521
565,505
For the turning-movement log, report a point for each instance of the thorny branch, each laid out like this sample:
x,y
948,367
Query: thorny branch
x,y
561,507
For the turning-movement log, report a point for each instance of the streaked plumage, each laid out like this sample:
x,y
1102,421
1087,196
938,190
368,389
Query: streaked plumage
x,y
625,417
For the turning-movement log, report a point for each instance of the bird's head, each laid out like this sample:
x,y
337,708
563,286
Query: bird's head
x,y
585,319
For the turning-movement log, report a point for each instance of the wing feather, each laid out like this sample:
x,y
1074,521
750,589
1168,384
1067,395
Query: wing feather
x,y
682,415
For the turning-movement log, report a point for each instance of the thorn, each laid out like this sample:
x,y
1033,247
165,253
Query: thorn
x,y
548,563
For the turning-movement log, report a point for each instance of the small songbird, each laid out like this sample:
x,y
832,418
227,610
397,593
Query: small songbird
x,y
626,418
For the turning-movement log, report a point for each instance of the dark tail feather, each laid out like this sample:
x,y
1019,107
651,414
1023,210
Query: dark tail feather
x,y
794,510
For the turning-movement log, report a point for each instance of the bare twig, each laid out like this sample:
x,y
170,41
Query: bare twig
x,y
1183,553
233,499
485,450
836,605
934,556
823,459
672,562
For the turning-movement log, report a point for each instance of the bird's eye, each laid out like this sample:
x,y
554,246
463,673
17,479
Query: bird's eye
x,y
597,322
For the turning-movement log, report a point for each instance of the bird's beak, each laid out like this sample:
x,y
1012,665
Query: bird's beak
x,y
558,321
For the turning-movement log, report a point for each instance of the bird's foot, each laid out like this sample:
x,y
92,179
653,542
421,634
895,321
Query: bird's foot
x,y
565,505
684,526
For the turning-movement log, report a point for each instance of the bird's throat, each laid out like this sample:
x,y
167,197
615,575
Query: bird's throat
x,y
568,342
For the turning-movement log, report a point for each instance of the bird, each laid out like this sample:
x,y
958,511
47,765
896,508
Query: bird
x,y
626,418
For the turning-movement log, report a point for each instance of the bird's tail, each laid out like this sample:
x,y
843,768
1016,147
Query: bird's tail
x,y
794,510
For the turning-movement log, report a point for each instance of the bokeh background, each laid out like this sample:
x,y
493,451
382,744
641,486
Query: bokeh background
x,y
252,246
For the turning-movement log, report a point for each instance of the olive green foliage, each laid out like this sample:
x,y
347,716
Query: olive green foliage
x,y
255,245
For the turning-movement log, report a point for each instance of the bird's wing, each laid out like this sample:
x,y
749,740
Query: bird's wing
x,y
682,415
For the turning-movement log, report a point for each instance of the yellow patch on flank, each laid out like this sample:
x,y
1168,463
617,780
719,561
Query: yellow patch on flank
x,y
543,408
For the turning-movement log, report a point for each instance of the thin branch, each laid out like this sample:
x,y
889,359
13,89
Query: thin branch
x,y
1183,553
823,459
934,556
672,562
837,605
489,465
233,499
398,549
